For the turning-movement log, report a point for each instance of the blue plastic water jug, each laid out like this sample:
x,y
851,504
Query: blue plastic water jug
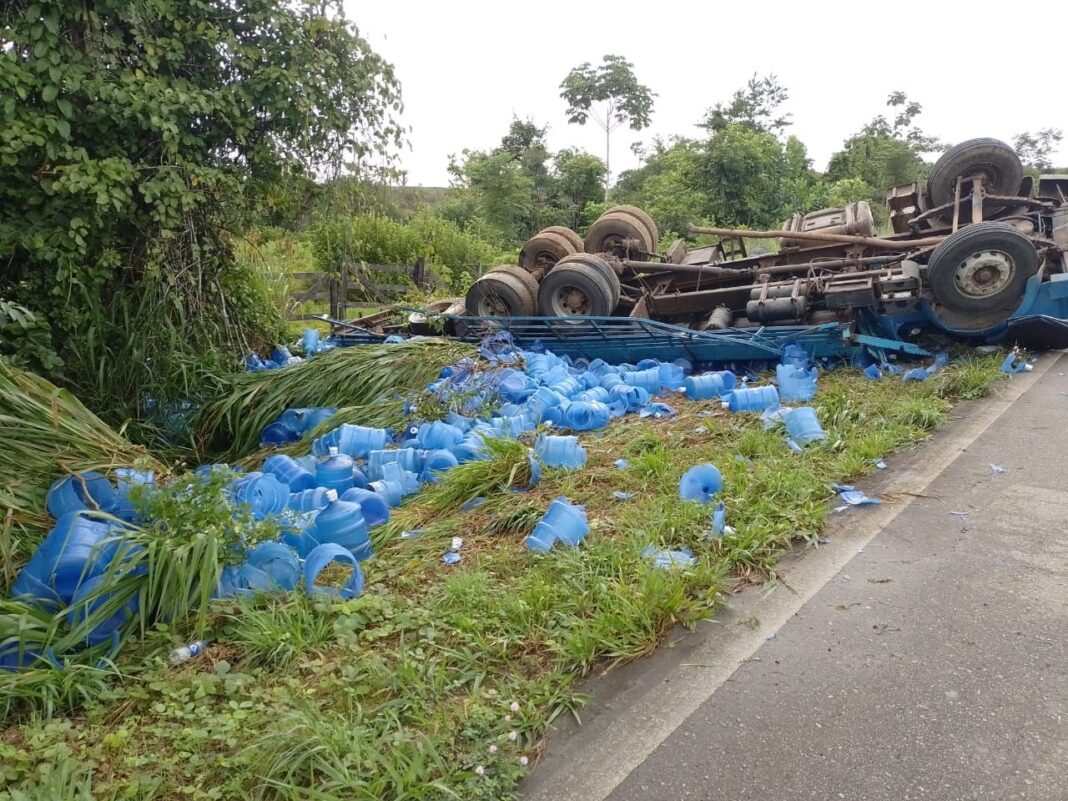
x,y
289,472
74,551
322,556
342,522
278,561
586,416
796,383
81,608
803,426
710,385
753,399
87,490
307,500
262,492
373,506
558,451
435,464
356,441
335,472
568,521
407,458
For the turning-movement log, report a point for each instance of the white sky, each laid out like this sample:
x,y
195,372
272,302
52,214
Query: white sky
x,y
467,66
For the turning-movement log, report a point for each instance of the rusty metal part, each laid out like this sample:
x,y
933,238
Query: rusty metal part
x,y
815,236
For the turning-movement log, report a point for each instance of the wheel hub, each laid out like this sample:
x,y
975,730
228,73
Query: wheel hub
x,y
985,273
571,301
492,306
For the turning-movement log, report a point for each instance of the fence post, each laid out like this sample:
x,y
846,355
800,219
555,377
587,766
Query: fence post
x,y
332,290
343,294
419,273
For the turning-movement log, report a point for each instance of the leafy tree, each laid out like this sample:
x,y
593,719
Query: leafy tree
x,y
499,192
133,140
1035,148
614,87
669,186
579,180
743,169
756,106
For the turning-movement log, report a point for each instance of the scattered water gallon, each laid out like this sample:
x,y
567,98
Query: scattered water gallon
x,y
796,355
405,479
356,441
710,385
304,420
803,426
542,538
435,464
310,341
289,472
342,523
335,471
752,399
700,483
873,372
74,551
597,393
278,561
568,521
796,383
671,375
322,556
560,451
633,397
649,380
88,490
307,500
609,380
299,533
262,492
81,608
373,506
126,478
390,491
439,435
514,386
517,424
407,458
471,449
647,364
586,416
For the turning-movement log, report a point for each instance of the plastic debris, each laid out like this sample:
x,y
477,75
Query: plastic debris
x,y
560,451
1015,363
700,430
411,534
957,513
858,498
473,504
657,411
752,399
873,372
663,558
772,417
803,426
700,483
563,521
879,464
719,520
842,487
451,558
916,374
996,468
621,464
317,561
184,653
619,495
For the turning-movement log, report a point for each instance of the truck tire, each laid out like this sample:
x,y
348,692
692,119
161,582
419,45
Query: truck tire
x,y
642,215
989,157
547,247
603,268
619,225
574,290
983,267
505,291
567,233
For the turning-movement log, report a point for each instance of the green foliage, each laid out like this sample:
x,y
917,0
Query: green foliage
x,y
26,339
756,106
456,255
611,94
134,138
579,182
1035,148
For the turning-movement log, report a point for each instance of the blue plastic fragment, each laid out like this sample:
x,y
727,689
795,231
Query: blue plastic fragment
x,y
621,464
451,558
916,374
619,495
700,483
719,519
656,410
1014,364
858,498
996,468
663,558
872,371
317,561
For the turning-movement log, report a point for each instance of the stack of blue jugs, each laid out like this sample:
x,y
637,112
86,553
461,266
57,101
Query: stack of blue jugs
x,y
796,376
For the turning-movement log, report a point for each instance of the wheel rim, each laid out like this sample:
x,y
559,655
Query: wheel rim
x,y
569,301
984,273
546,259
492,305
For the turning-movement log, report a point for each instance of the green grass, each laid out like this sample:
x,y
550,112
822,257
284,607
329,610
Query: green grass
x,y
404,692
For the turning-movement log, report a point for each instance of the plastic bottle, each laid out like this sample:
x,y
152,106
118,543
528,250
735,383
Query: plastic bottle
x,y
567,520
289,472
439,435
262,492
342,522
803,426
559,451
373,506
356,441
186,652
436,463
649,380
796,383
335,472
407,458
308,500
586,416
310,341
671,375
752,399
700,483
710,385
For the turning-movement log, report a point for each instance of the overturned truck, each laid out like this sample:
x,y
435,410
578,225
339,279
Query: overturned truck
x,y
979,253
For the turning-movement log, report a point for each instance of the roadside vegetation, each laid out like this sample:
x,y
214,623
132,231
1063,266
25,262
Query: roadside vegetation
x,y
408,690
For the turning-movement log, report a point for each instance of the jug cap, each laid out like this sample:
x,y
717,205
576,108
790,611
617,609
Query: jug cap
x,y
331,494
333,450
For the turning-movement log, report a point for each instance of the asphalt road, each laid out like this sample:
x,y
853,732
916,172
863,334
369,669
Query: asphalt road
x,y
928,659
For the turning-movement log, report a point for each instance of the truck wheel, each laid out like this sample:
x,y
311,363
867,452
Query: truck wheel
x,y
603,268
547,247
505,291
620,229
574,290
982,267
566,233
991,158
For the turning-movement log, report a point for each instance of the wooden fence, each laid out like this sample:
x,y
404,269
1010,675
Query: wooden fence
x,y
361,281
